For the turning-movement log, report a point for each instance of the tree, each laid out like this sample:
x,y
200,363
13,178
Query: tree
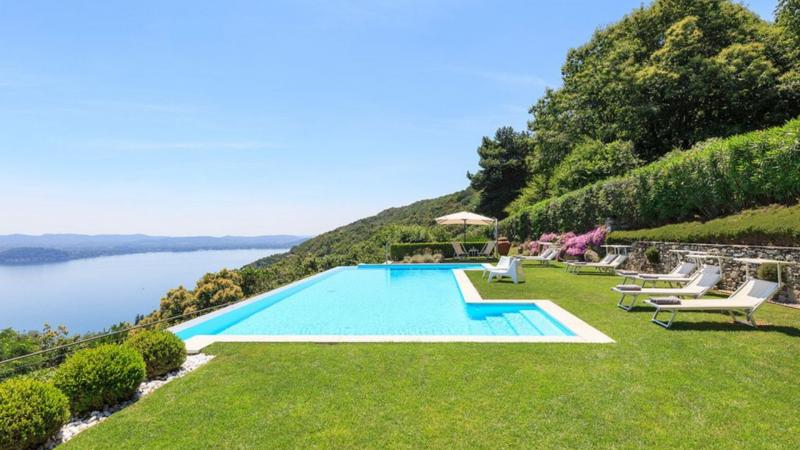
x,y
216,289
592,161
503,170
175,302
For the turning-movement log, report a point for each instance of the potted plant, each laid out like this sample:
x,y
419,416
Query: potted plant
x,y
503,245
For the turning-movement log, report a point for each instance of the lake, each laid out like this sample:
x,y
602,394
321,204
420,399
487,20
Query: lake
x,y
95,293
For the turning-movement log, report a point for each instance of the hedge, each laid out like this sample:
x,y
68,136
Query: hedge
x,y
714,178
30,412
772,225
399,251
161,350
100,376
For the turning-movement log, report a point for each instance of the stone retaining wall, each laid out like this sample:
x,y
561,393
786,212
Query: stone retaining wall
x,y
733,272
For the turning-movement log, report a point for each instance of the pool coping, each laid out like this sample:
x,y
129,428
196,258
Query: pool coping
x,y
584,333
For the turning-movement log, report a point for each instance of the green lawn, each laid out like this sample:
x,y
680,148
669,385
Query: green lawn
x,y
706,383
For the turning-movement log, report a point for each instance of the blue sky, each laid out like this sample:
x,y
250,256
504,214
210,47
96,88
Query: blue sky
x,y
238,117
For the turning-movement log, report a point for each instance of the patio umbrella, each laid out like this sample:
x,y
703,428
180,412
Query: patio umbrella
x,y
467,218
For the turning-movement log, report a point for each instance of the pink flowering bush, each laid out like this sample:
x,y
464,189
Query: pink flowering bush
x,y
548,237
573,244
576,245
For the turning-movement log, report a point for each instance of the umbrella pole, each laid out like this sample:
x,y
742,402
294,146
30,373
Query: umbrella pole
x,y
465,232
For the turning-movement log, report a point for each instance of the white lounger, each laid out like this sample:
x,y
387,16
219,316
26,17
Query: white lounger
x,y
502,264
708,277
682,273
747,299
545,257
487,249
609,263
459,249
510,271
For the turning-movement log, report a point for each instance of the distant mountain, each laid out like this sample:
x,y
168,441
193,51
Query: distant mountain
x,y
29,249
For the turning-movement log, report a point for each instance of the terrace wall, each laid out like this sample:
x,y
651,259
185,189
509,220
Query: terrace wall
x,y
733,272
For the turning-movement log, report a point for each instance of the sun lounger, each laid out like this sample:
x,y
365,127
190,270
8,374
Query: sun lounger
x,y
487,249
501,264
545,257
609,263
747,299
510,271
459,250
681,274
706,279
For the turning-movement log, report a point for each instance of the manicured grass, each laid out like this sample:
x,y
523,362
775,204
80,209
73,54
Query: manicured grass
x,y
706,383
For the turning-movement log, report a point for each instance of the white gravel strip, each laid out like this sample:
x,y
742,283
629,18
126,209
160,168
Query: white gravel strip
x,y
76,425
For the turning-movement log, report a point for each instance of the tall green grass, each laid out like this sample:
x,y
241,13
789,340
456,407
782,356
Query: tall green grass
x,y
773,225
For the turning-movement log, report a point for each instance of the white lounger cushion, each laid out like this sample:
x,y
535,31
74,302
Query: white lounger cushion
x,y
679,273
708,277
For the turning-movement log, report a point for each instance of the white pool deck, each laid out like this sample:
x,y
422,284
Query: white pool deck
x,y
583,332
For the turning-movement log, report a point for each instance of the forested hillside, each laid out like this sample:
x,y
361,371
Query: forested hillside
x,y
664,77
365,239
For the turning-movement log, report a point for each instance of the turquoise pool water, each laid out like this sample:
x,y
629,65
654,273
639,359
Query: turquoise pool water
x,y
379,300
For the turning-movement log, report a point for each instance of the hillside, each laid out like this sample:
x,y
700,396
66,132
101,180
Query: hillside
x,y
356,242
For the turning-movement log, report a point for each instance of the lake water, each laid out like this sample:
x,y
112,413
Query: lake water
x,y
92,294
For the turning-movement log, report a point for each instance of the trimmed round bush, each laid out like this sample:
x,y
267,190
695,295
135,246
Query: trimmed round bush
x,y
162,351
769,272
100,376
30,412
653,255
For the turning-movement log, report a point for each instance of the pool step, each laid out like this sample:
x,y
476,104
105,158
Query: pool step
x,y
500,326
542,322
521,325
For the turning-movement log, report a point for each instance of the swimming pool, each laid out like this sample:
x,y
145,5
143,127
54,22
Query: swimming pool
x,y
375,301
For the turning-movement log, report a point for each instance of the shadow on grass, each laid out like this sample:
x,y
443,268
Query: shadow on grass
x,y
605,274
728,326
734,327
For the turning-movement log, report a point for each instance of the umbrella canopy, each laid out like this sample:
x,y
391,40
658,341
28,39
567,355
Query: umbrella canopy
x,y
467,218
464,218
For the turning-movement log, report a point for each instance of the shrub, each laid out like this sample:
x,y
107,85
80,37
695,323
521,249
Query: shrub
x,y
577,245
100,376
30,412
423,258
399,251
769,272
712,179
161,350
591,161
653,255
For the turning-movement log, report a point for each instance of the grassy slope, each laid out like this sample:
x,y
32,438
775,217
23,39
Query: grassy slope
x,y
341,240
774,225
706,383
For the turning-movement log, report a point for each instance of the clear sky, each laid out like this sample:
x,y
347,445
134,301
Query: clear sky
x,y
262,117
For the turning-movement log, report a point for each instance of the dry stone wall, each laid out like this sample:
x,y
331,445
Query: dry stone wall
x,y
733,272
